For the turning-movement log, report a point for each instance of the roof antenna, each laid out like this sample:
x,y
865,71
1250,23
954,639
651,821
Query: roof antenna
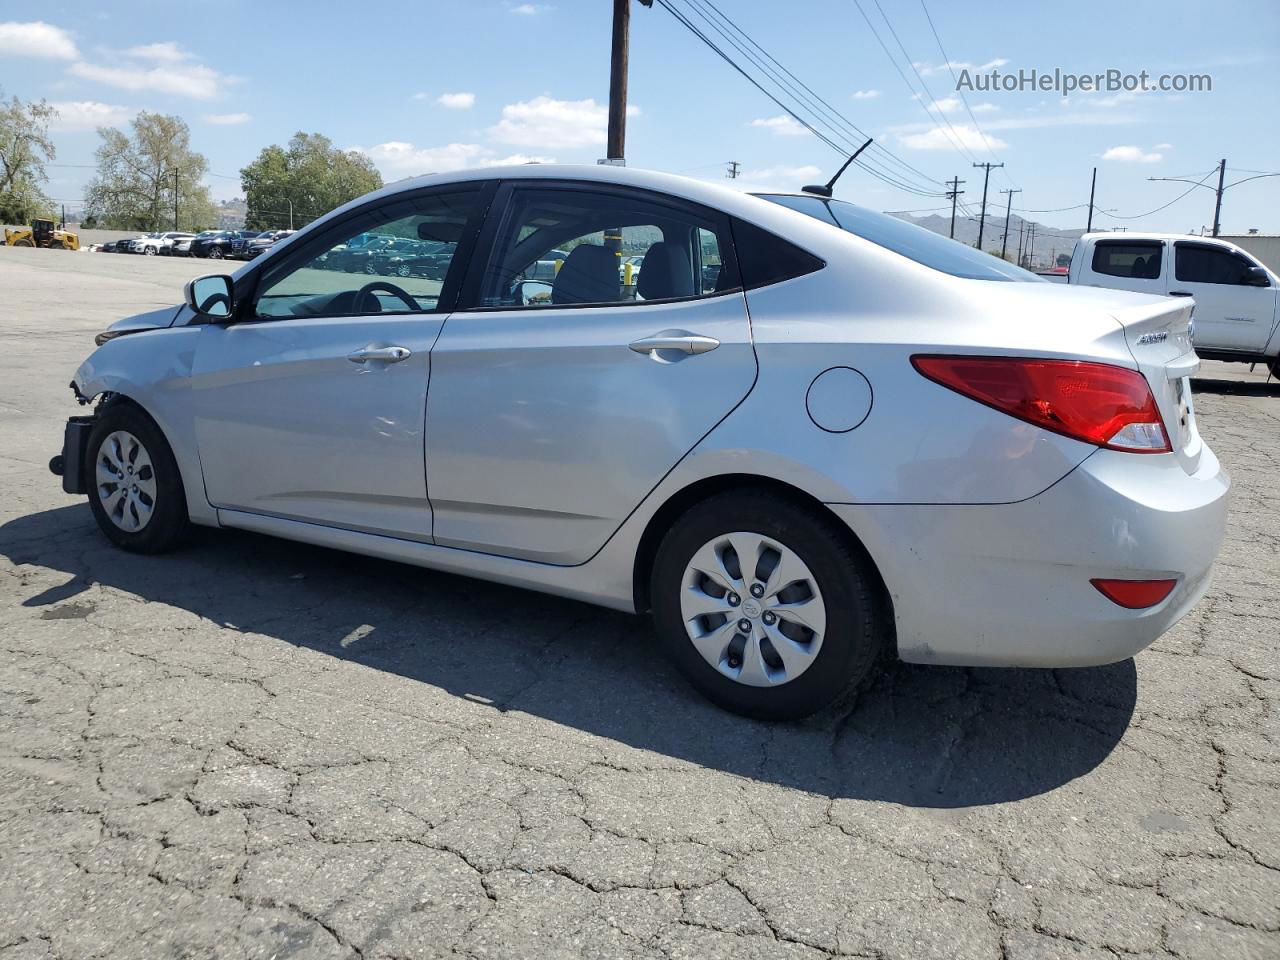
x,y
824,190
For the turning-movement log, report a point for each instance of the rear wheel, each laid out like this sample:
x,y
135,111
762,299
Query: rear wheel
x,y
135,490
765,607
149,251
23,243
215,253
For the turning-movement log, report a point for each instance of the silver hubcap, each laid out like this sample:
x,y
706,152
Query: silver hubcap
x,y
752,608
126,481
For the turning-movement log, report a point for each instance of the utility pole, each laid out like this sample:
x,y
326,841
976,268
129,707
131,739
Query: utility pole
x,y
1217,207
616,150
1092,186
733,169
1031,247
175,201
1008,210
1021,224
952,194
982,219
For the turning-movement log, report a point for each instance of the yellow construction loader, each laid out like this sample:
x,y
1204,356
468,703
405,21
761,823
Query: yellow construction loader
x,y
42,233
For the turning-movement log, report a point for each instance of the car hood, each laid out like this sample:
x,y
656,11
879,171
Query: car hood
x,y
151,320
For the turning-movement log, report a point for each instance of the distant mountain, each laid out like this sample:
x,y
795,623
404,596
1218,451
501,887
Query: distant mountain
x,y
231,214
1050,242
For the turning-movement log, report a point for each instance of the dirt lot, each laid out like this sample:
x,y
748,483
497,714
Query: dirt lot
x,y
256,749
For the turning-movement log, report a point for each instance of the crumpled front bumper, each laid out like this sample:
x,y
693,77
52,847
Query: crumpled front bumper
x,y
70,464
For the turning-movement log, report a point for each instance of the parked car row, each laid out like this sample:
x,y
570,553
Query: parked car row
x,y
211,244
381,255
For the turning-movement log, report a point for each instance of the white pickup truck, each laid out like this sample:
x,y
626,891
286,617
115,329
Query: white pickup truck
x,y
1237,310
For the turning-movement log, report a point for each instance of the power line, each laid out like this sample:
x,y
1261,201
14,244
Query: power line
x,y
894,63
812,101
1139,216
986,141
821,135
829,110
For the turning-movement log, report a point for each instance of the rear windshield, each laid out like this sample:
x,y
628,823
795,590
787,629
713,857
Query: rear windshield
x,y
915,243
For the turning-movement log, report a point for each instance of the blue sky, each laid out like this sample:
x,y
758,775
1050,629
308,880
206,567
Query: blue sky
x,y
438,85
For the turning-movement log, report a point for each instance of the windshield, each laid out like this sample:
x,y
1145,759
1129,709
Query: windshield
x,y
916,243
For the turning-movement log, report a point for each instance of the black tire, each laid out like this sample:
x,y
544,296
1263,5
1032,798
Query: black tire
x,y
168,522
858,621
215,253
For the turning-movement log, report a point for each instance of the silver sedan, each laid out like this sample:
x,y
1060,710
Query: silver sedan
x,y
805,437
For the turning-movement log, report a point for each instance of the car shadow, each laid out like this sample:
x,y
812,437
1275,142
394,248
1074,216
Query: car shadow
x,y
1236,388
939,737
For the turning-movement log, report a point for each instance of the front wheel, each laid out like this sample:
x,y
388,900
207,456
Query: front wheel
x,y
765,607
135,490
149,251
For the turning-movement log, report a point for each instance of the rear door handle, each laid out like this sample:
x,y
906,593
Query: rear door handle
x,y
380,355
678,340
1180,293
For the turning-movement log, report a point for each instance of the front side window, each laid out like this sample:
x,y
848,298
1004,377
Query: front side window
x,y
1204,264
1137,260
568,247
913,242
392,259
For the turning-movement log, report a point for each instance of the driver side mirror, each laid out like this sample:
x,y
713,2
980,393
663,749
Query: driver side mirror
x,y
211,296
1255,277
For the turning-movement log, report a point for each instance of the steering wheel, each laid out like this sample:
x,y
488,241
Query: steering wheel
x,y
357,304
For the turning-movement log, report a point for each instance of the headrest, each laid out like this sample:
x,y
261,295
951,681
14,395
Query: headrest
x,y
665,272
589,275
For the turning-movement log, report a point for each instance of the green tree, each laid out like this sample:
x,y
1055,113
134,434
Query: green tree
x,y
140,177
25,148
306,179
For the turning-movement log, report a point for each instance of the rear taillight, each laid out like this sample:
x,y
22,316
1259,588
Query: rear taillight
x,y
1100,404
1135,594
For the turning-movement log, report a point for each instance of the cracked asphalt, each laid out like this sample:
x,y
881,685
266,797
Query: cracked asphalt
x,y
251,748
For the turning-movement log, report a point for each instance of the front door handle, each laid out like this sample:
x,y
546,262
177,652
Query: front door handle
x,y
1179,293
380,355
680,341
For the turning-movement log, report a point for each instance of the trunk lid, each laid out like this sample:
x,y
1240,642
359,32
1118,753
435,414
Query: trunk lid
x,y
1159,337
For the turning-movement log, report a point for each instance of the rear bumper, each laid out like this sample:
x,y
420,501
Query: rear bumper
x,y
1008,584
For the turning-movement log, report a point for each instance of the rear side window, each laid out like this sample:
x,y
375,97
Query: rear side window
x,y
764,258
1139,261
1197,264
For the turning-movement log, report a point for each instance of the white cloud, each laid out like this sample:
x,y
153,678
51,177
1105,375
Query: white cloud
x,y
226,119
783,125
947,105
36,39
194,80
457,101
865,94
1131,155
1164,146
548,124
530,9
783,176
929,69
984,108
941,138
421,95
89,115
399,159
168,52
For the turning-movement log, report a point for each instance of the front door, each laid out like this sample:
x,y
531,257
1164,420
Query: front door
x,y
1229,315
567,393
311,406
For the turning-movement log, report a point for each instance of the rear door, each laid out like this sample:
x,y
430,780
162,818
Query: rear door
x,y
1230,314
311,406
558,404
